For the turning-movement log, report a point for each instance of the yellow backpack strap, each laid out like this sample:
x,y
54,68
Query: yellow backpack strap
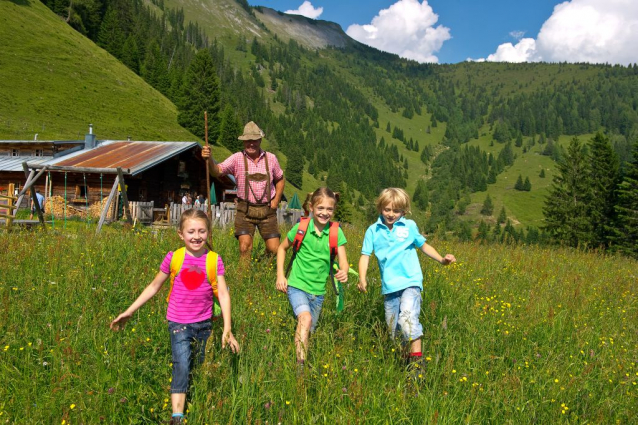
x,y
211,270
176,266
211,274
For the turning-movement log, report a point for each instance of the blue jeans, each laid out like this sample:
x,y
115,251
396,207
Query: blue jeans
x,y
402,310
188,344
301,301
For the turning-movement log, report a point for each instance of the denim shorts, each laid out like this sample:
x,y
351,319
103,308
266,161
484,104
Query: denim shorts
x,y
402,309
188,344
301,301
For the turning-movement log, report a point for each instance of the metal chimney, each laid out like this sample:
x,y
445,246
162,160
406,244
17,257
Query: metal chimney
x,y
89,139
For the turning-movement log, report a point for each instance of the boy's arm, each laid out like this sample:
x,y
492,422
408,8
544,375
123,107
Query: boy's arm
x,y
433,254
282,282
224,303
363,271
148,293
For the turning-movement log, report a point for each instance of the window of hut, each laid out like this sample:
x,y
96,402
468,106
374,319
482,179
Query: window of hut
x,y
81,191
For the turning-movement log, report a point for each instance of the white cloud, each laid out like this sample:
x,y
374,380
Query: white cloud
x,y
405,28
523,51
306,9
594,31
517,34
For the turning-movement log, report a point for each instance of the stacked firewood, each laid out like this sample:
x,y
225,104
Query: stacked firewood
x,y
55,205
95,210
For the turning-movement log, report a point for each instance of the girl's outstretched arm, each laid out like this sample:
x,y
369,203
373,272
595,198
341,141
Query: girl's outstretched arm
x,y
148,293
282,282
224,303
344,266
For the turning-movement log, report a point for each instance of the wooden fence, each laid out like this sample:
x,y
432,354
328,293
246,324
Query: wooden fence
x,y
224,213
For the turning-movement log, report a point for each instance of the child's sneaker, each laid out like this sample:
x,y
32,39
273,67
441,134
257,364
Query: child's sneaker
x,y
301,368
177,420
416,368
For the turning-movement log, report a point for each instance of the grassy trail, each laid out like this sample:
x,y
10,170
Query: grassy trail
x,y
512,335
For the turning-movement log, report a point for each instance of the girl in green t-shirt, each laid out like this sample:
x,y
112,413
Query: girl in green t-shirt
x,y
306,285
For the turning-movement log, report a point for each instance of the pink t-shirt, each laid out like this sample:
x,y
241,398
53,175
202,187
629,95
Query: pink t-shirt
x,y
191,300
234,165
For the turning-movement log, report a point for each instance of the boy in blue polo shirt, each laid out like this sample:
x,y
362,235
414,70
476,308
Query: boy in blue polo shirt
x,y
395,240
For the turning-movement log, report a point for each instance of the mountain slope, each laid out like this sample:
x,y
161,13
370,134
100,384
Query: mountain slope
x,y
307,32
54,82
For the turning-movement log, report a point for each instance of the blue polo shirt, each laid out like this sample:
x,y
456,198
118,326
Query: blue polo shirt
x,y
396,252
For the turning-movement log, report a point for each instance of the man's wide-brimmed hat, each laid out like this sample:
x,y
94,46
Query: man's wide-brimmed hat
x,y
251,132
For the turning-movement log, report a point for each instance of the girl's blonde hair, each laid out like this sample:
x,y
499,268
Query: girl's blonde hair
x,y
195,214
319,194
398,197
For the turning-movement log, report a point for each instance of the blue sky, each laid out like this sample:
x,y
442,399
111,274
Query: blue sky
x,y
451,31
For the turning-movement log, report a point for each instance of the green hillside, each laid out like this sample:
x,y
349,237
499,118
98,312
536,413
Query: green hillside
x,y
352,117
54,82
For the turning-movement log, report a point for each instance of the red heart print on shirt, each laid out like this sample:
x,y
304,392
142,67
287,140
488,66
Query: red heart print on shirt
x,y
192,277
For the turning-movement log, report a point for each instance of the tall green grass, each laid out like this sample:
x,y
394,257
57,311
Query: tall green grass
x,y
512,335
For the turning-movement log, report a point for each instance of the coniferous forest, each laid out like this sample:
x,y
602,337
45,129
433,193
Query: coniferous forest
x,y
321,108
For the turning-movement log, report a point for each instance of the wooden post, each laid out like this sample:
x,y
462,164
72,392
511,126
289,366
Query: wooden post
x,y
27,185
34,198
210,217
105,207
9,206
126,209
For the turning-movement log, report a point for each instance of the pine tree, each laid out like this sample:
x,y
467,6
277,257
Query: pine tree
x,y
421,195
111,36
603,165
230,128
201,93
343,212
626,233
519,183
294,168
527,185
131,54
483,232
502,216
488,206
491,176
154,70
542,173
388,128
566,208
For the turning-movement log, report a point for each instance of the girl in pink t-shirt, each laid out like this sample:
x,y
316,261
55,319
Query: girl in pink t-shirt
x,y
190,305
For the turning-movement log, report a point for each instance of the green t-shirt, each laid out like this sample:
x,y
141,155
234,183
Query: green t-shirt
x,y
311,267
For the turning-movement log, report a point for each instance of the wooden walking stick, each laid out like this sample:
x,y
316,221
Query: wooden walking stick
x,y
210,216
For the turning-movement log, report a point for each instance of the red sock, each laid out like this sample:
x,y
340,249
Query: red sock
x,y
416,354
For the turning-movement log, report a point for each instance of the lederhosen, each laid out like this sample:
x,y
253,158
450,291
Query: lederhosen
x,y
256,211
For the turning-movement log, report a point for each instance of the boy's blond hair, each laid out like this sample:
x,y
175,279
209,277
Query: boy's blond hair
x,y
398,197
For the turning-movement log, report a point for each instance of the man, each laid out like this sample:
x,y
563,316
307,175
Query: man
x,y
40,199
260,186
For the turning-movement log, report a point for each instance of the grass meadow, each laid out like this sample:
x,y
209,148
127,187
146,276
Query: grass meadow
x,y
513,334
